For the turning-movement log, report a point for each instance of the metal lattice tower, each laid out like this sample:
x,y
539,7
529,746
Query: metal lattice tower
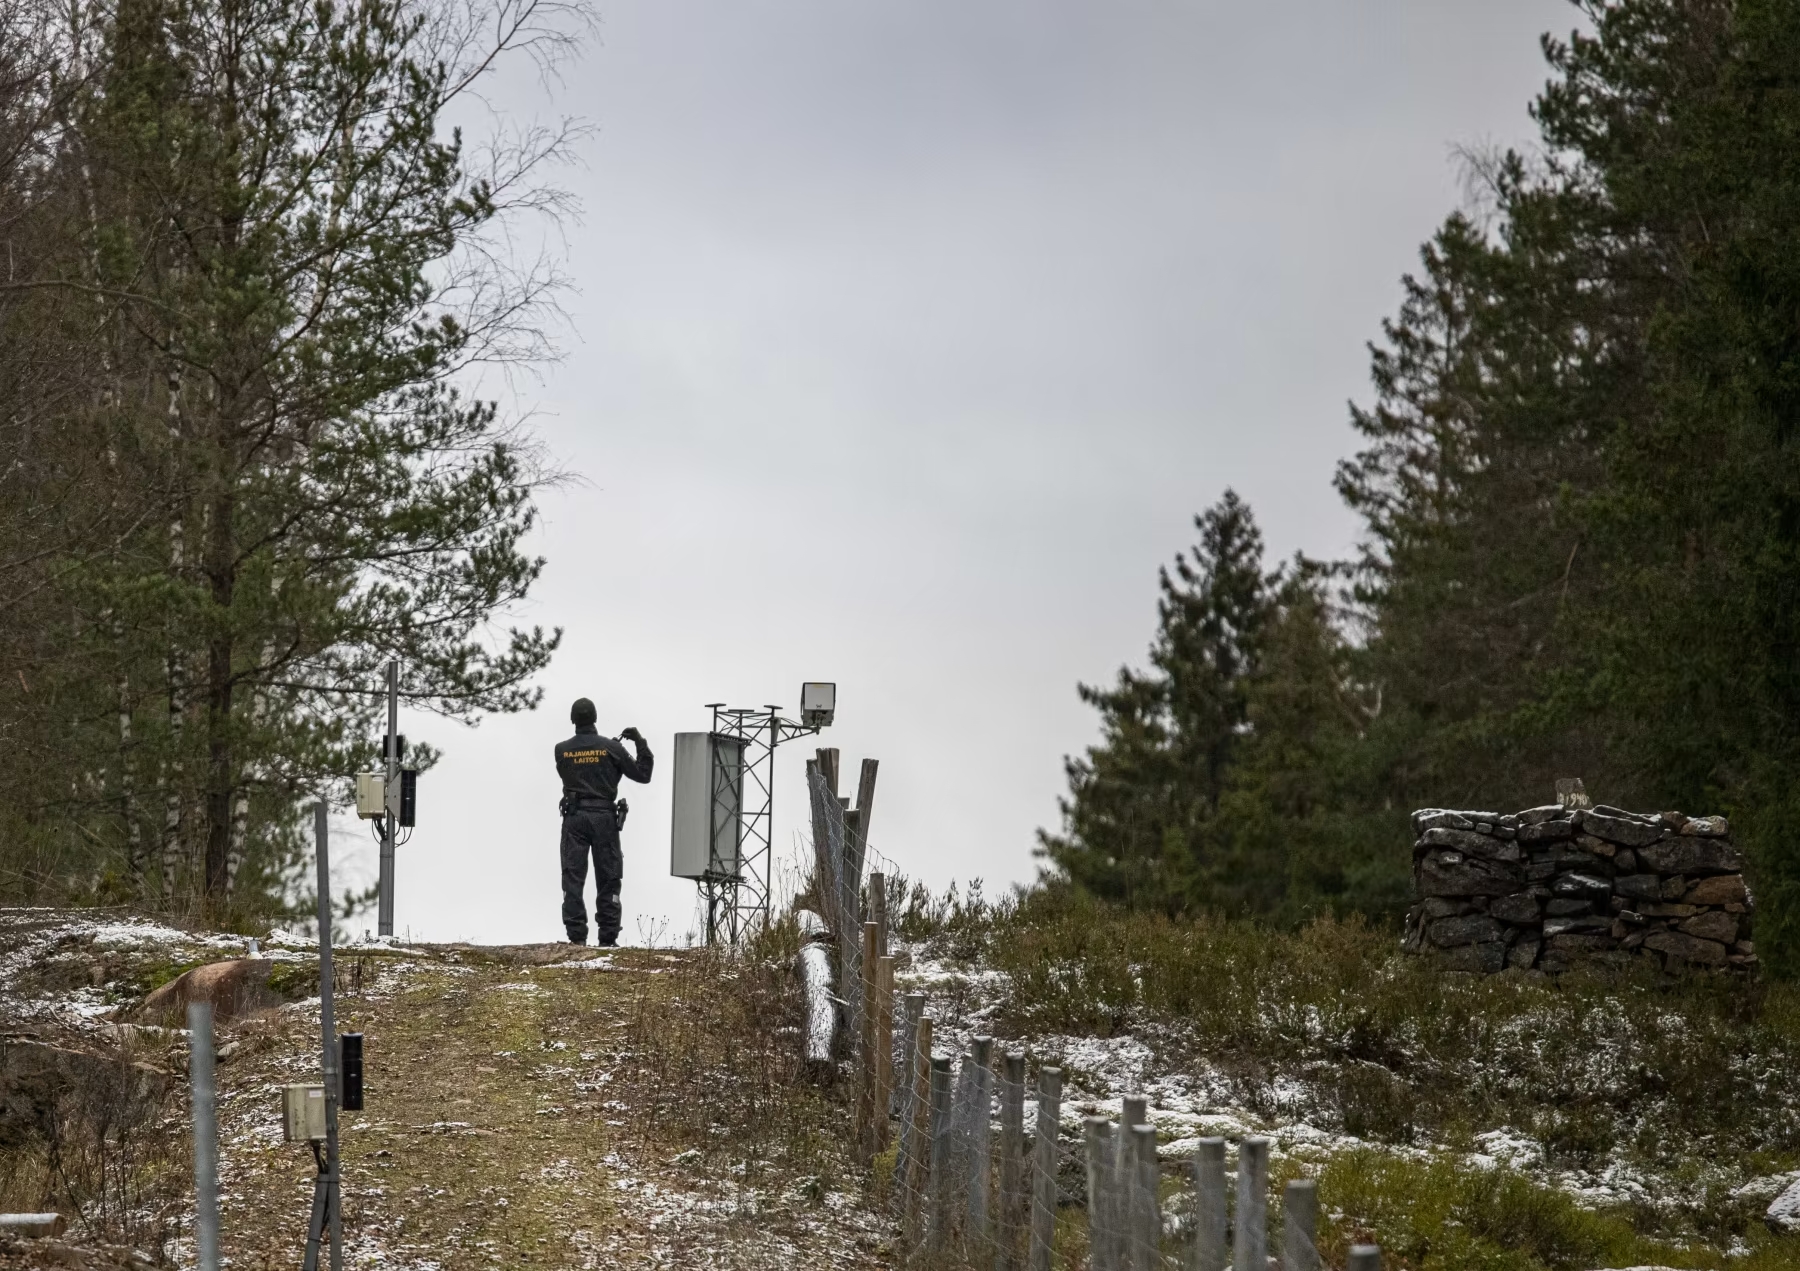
x,y
743,780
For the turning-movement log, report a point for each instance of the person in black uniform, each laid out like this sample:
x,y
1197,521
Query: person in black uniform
x,y
590,767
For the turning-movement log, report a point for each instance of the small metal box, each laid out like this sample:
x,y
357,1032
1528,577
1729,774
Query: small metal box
x,y
371,795
818,704
303,1113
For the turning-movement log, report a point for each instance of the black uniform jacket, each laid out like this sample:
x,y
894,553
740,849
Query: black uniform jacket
x,y
590,767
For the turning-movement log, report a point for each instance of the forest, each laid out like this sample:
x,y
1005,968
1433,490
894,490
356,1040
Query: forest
x,y
249,277
1577,475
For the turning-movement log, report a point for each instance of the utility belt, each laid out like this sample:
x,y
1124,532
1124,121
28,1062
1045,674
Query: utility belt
x,y
573,803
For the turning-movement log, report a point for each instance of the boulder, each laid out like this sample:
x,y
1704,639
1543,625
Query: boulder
x,y
1577,925
1686,948
1520,907
1447,873
1625,861
1623,830
1470,841
1783,1216
234,988
1524,953
1707,826
1448,933
1713,924
1720,889
1664,909
1579,942
1546,831
1545,812
1488,957
1563,906
1587,886
1439,819
1435,907
1692,854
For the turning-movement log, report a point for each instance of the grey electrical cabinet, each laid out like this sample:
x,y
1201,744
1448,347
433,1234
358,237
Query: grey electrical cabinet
x,y
707,829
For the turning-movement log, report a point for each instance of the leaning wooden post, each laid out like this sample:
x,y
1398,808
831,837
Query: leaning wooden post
x,y
981,1151
1097,1134
1363,1258
1012,1160
937,1203
1300,1225
1043,1169
1250,1242
865,1056
1207,1253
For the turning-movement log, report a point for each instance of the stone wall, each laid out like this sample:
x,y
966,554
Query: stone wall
x,y
1551,886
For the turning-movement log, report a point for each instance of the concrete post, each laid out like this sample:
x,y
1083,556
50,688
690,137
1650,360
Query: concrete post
x,y
1208,1249
1300,1225
1044,1168
1250,1243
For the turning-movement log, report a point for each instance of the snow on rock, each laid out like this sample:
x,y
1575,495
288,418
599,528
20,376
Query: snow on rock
x,y
1783,1215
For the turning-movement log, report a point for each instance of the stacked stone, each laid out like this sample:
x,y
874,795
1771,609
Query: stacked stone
x,y
1551,886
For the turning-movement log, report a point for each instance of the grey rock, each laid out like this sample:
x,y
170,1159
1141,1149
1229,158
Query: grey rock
x,y
1639,886
1663,909
1489,957
1440,907
1720,889
1563,907
1538,871
1625,861
1692,854
1706,826
1439,819
1538,815
1521,907
1546,831
1584,885
1712,925
1578,925
1524,953
1447,933
1674,888
1580,942
1472,842
1622,830
1783,1216
1686,948
1446,873
1596,847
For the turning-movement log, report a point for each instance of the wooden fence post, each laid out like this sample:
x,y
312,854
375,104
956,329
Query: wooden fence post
x,y
865,1057
1146,1209
1012,1162
884,1051
1250,1243
1134,1109
937,1204
1299,1226
1208,1249
1097,1133
1044,1169
981,1151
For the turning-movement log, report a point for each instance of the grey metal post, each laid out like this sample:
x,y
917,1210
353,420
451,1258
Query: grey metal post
x,y
1364,1258
1012,1161
384,915
906,1079
1043,1169
1300,1226
1250,1242
981,1151
328,1033
1103,1251
203,1097
1146,1209
937,1190
1208,1249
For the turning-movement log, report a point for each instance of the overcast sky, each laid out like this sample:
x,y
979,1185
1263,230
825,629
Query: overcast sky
x,y
906,341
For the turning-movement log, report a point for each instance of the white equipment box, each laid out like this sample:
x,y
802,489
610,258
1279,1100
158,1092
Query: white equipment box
x,y
303,1113
371,795
707,827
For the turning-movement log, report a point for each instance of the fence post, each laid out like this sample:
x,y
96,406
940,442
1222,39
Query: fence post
x,y
1147,1213
1134,1109
1012,1161
865,1059
884,1052
1250,1243
203,1099
913,1008
1364,1258
937,1203
1043,1172
918,1160
1208,1249
1097,1133
1300,1225
981,1149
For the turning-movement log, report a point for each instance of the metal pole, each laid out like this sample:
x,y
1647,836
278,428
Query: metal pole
x,y
937,1190
206,1133
384,919
1146,1207
328,1026
1012,1160
981,1153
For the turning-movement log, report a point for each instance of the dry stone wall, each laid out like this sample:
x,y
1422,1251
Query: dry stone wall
x,y
1552,886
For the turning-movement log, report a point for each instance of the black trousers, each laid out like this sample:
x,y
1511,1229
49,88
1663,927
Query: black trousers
x,y
598,833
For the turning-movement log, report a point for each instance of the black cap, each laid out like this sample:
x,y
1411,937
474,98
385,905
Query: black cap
x,y
582,713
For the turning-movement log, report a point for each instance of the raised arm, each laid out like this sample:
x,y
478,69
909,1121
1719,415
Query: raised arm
x,y
637,769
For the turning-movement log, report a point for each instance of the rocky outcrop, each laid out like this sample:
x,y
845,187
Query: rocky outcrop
x,y
1553,885
234,988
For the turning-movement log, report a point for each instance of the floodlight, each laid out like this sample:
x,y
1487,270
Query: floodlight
x,y
818,704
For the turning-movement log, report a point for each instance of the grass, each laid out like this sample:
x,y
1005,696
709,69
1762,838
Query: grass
x,y
1687,1082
